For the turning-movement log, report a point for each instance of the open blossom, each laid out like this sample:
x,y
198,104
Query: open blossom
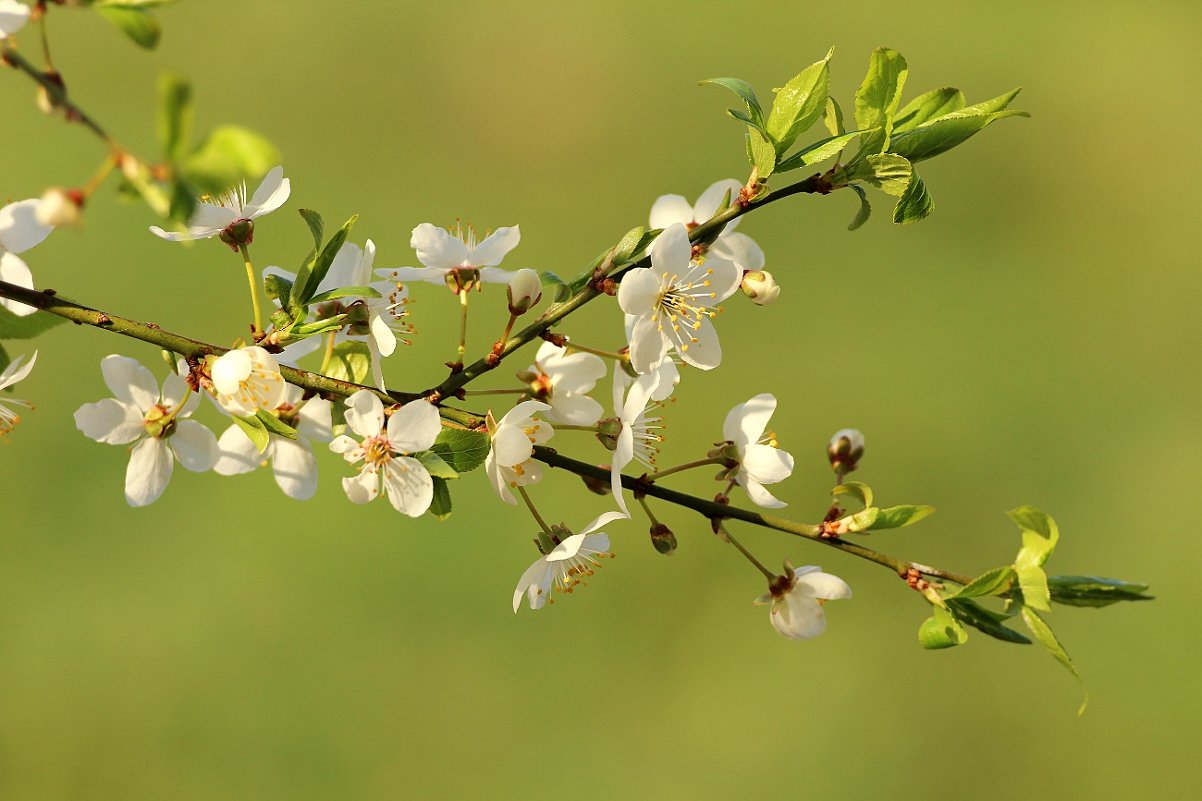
x,y
671,303
638,438
231,215
156,421
386,452
246,380
444,253
292,460
508,463
797,603
20,230
739,248
13,16
760,461
8,377
566,565
564,380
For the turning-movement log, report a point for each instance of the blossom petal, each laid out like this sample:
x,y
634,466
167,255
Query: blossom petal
x,y
171,236
767,464
436,247
236,454
344,270
14,373
129,381
496,477
797,618
753,419
19,226
13,17
316,419
671,252
670,209
758,494
698,346
519,414
175,391
639,291
740,249
294,467
492,250
365,413
534,584
604,519
209,219
408,484
414,427
382,335
194,445
571,372
622,455
725,279
363,487
711,199
148,472
574,410
648,346
817,584
110,421
270,195
511,446
14,270
669,377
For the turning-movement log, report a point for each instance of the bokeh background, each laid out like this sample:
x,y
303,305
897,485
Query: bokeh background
x,y
1034,341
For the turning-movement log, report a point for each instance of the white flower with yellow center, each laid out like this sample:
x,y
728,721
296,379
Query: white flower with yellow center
x,y
739,248
447,256
246,380
386,452
231,215
564,380
638,438
155,420
20,230
566,565
671,303
797,601
760,461
514,436
13,16
8,377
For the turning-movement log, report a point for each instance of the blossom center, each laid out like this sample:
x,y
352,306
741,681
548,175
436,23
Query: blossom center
x,y
682,302
377,451
159,421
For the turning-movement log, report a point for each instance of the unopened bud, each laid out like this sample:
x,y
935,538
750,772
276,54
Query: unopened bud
x,y
663,539
596,485
608,431
238,233
525,291
845,449
60,207
50,99
761,287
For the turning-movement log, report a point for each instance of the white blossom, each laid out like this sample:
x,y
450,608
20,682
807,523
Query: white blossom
x,y
508,463
638,438
20,230
11,374
671,303
246,380
386,452
739,248
797,609
216,215
563,380
567,565
292,460
13,16
156,421
760,461
443,253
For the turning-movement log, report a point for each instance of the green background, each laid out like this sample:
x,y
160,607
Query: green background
x,y
1034,341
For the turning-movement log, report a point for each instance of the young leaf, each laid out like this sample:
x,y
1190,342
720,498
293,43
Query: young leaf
x,y
941,630
351,362
833,117
229,155
176,113
1095,590
888,172
942,133
991,582
275,425
743,90
345,292
463,450
440,507
762,154
857,489
312,273
1040,534
316,327
630,245
819,151
1043,632
934,103
436,466
914,204
255,430
861,521
277,287
551,281
138,24
28,327
878,97
317,226
799,104
865,208
900,516
969,611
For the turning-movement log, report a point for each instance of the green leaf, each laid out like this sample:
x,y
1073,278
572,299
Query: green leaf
x,y
1043,632
277,287
436,466
819,151
865,208
255,430
28,327
901,516
968,611
463,450
633,243
351,361
833,117
886,171
860,521
934,103
229,155
857,489
176,114
138,24
312,272
552,281
345,292
940,134
799,104
440,507
325,324
743,90
317,226
1095,590
914,204
1040,535
275,425
941,630
991,582
762,154
878,97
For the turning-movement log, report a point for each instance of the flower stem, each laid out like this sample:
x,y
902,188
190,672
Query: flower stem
x,y
492,391
106,167
724,534
606,354
462,327
647,509
530,505
328,356
257,330
573,427
680,467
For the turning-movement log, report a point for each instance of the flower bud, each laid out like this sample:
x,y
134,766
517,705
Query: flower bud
x,y
761,287
60,207
608,431
525,291
238,233
49,100
596,485
663,539
845,449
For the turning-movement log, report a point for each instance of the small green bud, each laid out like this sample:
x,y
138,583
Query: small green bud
x,y
608,431
663,539
845,449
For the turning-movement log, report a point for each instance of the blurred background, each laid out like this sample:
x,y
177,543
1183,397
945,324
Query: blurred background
x,y
1033,342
